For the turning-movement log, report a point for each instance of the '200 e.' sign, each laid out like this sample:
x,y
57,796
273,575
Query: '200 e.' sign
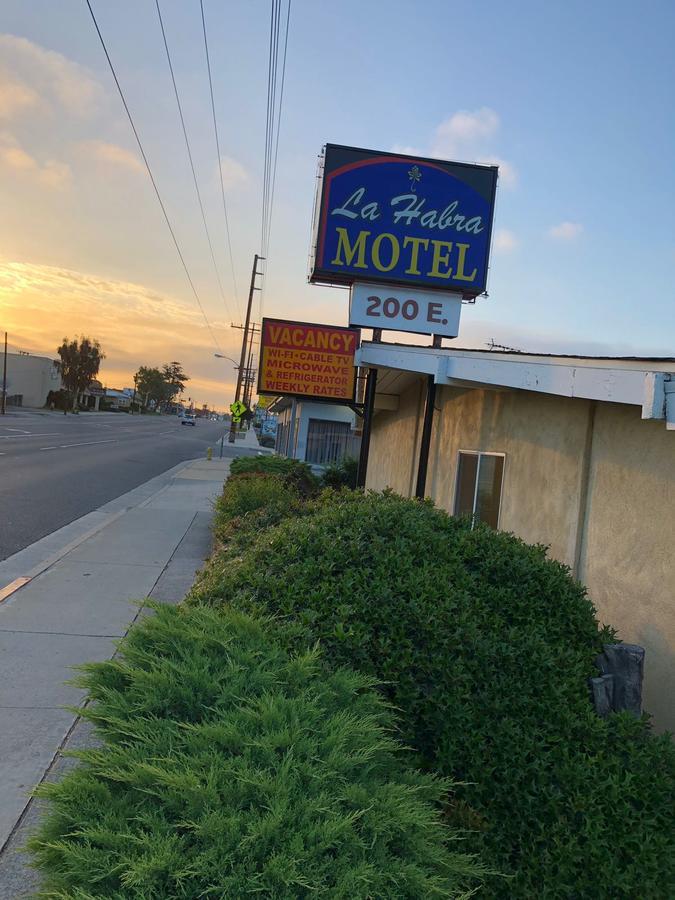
x,y
403,220
392,309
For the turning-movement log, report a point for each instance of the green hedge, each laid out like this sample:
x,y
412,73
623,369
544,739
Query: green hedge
x,y
485,647
230,768
342,474
251,502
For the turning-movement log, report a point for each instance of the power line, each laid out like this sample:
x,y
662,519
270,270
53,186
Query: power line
x,y
151,176
281,101
220,167
273,123
269,123
189,153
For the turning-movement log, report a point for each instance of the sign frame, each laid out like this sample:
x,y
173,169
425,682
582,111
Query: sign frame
x,y
309,398
320,274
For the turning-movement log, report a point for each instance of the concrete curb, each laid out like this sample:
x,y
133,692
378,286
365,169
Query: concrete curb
x,y
191,547
45,552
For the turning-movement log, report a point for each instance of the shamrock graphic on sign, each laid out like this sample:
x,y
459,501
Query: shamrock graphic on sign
x,y
414,175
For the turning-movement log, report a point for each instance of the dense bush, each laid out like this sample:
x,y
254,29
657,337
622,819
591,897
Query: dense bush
x,y
250,493
269,464
485,646
295,473
231,769
342,474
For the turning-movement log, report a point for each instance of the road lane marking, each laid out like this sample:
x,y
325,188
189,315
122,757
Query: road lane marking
x,y
13,437
86,443
22,430
79,444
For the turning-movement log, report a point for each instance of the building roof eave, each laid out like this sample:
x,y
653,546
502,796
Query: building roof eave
x,y
631,382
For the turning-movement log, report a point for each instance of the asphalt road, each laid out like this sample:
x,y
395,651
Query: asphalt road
x,y
56,468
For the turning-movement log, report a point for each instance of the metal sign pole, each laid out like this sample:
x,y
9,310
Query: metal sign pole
x,y
426,438
369,406
368,410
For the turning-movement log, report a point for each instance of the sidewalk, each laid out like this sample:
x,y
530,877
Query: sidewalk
x,y
76,602
249,439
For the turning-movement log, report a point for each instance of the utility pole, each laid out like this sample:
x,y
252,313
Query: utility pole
x,y
249,372
4,379
242,359
248,377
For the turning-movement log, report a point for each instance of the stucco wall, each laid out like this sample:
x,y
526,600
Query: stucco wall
x,y
31,376
393,444
543,439
591,480
628,552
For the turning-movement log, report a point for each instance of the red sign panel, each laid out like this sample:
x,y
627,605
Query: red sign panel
x,y
311,361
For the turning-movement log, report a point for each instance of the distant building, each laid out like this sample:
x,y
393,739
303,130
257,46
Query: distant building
x,y
575,453
117,400
30,379
316,433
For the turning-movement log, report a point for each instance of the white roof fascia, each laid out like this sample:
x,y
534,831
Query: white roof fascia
x,y
635,387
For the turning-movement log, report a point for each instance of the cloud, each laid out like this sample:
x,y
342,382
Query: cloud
x,y
565,231
466,136
505,241
15,96
135,324
234,174
408,151
508,177
51,174
464,130
111,154
31,73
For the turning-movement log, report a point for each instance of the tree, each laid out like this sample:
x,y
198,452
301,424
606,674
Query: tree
x,y
175,378
151,385
80,362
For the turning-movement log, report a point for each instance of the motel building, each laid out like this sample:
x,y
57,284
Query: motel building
x,y
576,453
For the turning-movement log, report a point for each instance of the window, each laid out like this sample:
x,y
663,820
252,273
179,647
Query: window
x,y
479,486
329,441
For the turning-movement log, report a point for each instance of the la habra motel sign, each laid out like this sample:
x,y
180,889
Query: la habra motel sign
x,y
402,220
411,238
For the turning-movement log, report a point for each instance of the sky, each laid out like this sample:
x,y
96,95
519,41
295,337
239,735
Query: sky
x,y
574,101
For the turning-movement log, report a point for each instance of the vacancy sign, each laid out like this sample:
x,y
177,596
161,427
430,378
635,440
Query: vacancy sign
x,y
308,361
400,309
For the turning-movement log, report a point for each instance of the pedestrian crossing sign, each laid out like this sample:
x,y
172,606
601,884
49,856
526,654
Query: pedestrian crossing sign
x,y
237,409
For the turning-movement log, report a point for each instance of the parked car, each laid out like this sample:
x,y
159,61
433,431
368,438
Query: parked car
x,y
189,419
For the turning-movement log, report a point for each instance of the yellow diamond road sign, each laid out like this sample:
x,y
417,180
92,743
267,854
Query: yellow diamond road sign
x,y
237,409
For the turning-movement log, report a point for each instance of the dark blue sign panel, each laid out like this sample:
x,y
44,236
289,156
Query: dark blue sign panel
x,y
385,217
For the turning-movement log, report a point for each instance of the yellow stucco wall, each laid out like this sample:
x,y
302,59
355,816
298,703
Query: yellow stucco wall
x,y
559,450
393,445
543,439
628,552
